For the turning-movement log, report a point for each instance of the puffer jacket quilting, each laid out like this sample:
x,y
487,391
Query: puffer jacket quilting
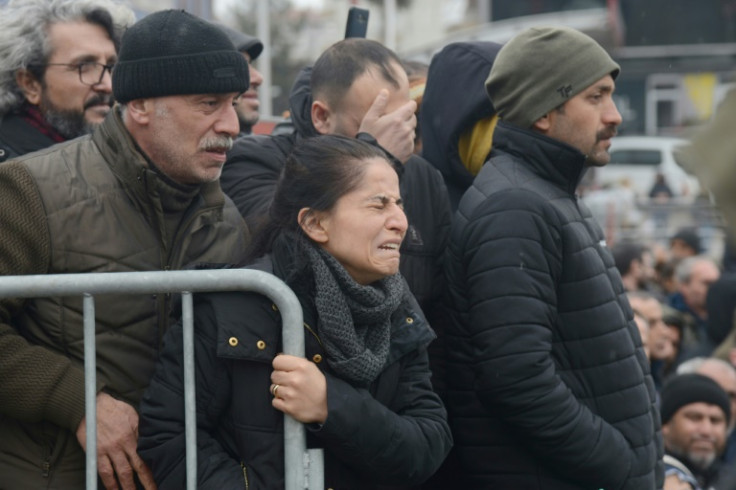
x,y
548,386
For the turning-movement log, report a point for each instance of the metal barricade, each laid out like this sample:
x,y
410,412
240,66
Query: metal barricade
x,y
303,468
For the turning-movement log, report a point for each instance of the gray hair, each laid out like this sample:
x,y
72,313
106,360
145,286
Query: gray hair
x,y
23,35
684,269
693,365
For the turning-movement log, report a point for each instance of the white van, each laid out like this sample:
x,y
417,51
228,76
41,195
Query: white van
x,y
636,161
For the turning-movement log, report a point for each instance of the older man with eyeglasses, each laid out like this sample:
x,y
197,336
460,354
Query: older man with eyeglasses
x,y
56,59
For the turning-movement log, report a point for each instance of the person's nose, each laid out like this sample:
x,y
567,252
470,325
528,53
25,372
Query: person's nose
x,y
105,83
397,220
611,114
228,123
256,79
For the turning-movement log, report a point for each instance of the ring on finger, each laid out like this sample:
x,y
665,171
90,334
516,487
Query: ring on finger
x,y
274,389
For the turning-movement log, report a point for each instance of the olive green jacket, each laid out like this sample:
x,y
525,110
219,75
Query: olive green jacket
x,y
92,204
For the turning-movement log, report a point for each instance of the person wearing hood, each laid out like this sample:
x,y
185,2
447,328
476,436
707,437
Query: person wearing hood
x,y
548,384
457,119
357,88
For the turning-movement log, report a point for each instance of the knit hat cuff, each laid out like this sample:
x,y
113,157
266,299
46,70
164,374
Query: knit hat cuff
x,y
197,73
542,68
685,389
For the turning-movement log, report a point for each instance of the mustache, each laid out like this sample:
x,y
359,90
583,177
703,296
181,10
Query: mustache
x,y
705,438
216,143
98,99
607,133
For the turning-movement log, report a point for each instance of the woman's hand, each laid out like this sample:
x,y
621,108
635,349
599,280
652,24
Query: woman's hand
x,y
299,389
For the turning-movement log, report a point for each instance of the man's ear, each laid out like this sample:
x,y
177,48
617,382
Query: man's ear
x,y
29,85
140,111
311,224
321,117
543,123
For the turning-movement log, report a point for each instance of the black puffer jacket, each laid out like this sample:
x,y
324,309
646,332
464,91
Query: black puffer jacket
x,y
548,385
454,100
255,162
393,433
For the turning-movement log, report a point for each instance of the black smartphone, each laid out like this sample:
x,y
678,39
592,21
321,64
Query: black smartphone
x,y
357,25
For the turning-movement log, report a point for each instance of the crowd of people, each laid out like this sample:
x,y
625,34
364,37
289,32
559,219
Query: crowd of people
x,y
466,323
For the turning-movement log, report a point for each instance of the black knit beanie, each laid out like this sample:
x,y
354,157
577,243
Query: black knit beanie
x,y
541,68
685,389
172,52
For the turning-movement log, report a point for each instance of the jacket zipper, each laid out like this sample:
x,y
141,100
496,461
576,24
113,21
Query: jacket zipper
x,y
313,333
245,475
46,466
167,257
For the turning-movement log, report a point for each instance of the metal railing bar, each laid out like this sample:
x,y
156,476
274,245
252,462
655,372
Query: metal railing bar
x,y
193,281
190,407
90,389
85,284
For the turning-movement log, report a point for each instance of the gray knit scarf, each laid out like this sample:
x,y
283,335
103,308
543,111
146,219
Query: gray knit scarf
x,y
354,320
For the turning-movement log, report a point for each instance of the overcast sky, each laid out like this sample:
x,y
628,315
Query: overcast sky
x,y
222,6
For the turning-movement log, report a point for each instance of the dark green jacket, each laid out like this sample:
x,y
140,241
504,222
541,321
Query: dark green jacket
x,y
90,205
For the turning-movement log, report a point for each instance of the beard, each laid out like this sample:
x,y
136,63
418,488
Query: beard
x,y
68,122
600,158
699,463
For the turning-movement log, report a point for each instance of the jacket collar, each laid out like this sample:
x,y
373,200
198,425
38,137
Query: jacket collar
x,y
18,137
551,159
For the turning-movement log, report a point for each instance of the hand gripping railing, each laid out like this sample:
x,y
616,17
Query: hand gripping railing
x,y
303,468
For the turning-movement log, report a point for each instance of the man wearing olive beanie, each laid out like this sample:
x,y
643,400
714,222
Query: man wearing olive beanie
x,y
548,383
695,415
541,69
139,193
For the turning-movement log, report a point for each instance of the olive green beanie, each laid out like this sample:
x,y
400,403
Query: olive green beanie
x,y
541,68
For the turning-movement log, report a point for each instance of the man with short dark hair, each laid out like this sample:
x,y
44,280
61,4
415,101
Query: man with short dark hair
x,y
248,104
56,59
695,414
548,383
634,263
357,88
140,193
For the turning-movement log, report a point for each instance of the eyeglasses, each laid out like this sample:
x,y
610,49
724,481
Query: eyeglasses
x,y
90,72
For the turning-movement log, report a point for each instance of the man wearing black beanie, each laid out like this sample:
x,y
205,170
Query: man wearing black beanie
x,y
140,193
695,413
